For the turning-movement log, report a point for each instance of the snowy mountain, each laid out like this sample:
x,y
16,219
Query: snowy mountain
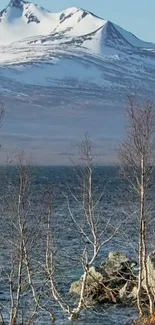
x,y
21,19
74,43
74,60
73,47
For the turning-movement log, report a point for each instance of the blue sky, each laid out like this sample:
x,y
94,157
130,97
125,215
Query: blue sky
x,y
136,16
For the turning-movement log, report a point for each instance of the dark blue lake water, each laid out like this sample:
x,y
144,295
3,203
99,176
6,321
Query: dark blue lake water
x,y
115,205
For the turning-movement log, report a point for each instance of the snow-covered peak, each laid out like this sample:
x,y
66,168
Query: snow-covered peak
x,y
20,9
70,10
16,3
21,20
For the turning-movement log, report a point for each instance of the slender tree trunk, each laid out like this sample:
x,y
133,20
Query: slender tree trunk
x,y
75,312
19,285
139,290
143,272
145,268
148,289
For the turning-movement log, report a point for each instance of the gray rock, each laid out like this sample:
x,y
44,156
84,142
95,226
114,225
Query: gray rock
x,y
151,272
128,293
114,281
93,279
75,287
96,290
118,263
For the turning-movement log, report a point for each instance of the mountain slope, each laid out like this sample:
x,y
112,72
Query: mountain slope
x,y
73,48
68,69
22,19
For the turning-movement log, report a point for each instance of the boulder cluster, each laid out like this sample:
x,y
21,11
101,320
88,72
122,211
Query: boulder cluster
x,y
114,281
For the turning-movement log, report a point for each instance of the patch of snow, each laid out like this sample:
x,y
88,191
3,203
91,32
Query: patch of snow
x,y
71,73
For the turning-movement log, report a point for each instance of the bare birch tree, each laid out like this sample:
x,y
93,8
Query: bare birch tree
x,y
137,165
23,225
89,224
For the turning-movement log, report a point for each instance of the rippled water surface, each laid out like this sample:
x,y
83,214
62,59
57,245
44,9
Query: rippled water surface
x,y
114,205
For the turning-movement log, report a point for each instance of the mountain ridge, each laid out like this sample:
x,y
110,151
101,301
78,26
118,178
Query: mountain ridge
x,y
97,49
20,13
64,73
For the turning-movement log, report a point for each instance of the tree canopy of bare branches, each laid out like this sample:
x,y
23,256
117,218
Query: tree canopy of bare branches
x,y
137,166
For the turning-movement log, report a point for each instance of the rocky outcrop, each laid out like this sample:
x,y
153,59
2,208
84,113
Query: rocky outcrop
x,y
128,293
93,279
151,272
118,263
115,280
94,286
